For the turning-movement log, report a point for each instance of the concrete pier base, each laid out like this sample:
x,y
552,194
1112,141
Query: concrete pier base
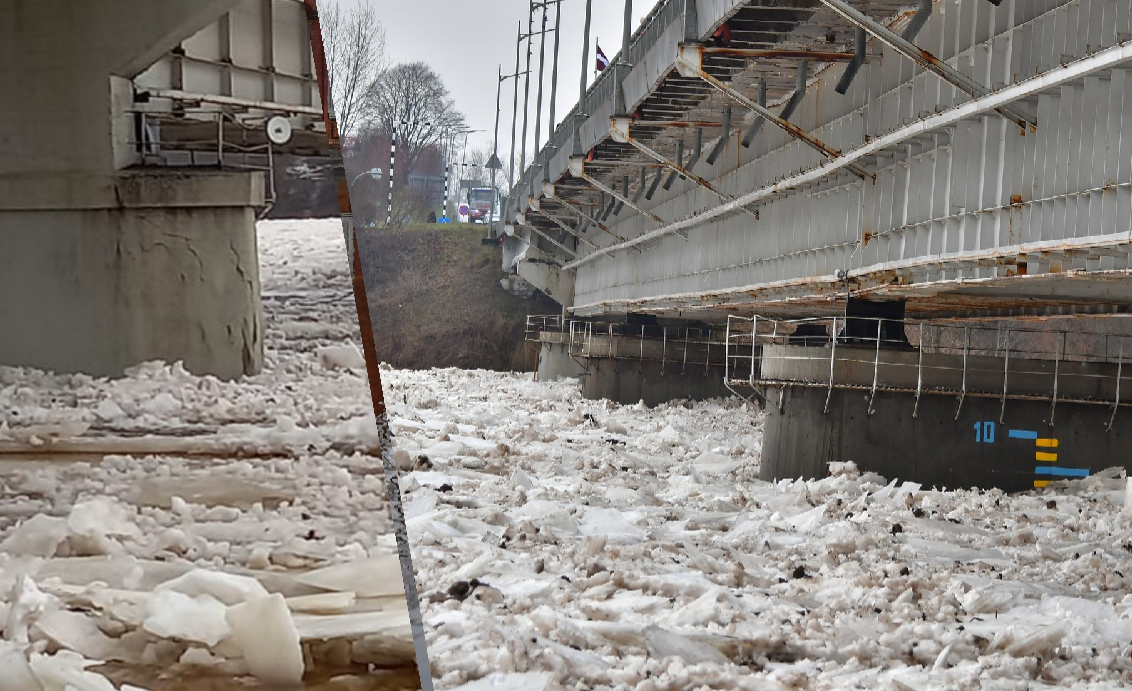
x,y
103,273
608,372
943,442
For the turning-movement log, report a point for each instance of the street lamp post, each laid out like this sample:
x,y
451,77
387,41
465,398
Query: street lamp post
x,y
494,164
375,173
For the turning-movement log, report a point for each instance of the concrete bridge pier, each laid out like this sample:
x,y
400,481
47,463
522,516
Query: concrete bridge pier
x,y
103,264
962,415
629,363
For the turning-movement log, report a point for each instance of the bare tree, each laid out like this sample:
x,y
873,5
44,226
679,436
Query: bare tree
x,y
412,98
355,58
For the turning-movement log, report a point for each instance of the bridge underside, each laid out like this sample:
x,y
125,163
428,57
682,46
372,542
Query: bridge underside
x,y
947,164
133,163
975,165
1041,295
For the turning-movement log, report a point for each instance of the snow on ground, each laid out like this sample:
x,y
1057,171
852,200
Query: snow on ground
x,y
164,517
565,543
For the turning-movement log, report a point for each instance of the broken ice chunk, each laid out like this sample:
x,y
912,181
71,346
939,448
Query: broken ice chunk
x,y
341,357
39,536
25,604
15,671
200,619
527,681
66,671
102,517
612,524
78,632
520,480
368,578
714,464
228,588
264,631
661,643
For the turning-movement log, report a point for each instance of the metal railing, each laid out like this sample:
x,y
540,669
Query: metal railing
x,y
962,359
684,345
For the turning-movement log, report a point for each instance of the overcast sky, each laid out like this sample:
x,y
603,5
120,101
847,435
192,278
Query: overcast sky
x,y
465,42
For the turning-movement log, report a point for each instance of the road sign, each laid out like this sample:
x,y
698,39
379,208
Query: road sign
x,y
464,210
493,163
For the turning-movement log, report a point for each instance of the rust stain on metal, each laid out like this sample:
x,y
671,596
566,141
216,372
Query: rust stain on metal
x,y
823,56
1016,200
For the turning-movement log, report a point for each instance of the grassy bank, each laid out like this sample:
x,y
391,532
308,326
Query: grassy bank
x,y
436,301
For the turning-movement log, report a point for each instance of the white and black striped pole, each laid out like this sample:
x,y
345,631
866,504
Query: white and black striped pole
x,y
392,162
447,177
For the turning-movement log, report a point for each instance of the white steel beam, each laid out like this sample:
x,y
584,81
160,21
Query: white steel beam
x,y
1056,77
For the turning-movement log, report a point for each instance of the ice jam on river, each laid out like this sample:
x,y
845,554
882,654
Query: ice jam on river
x,y
189,526
561,543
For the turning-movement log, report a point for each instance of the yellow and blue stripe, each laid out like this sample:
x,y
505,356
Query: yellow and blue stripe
x,y
1045,454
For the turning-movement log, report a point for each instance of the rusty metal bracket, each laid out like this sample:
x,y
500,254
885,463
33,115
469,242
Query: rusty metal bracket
x,y
690,64
522,223
625,192
583,215
791,107
641,186
578,170
928,61
563,226
755,53
620,131
923,13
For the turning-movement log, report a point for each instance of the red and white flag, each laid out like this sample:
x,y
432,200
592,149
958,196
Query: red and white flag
x,y
602,61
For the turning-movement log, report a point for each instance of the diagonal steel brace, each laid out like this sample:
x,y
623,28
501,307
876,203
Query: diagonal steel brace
x,y
546,237
690,64
563,226
578,170
928,61
583,215
620,131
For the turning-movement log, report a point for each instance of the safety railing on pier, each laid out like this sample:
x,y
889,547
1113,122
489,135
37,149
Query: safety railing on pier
x,y
700,346
991,360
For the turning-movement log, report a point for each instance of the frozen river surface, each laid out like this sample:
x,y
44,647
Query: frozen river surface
x,y
202,534
561,543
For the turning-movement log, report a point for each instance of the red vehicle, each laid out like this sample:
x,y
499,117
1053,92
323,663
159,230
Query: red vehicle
x,y
480,200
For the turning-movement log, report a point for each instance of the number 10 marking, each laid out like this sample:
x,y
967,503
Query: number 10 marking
x,y
984,432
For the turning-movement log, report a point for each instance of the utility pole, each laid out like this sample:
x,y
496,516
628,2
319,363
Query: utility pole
x,y
554,69
541,72
527,86
495,164
623,65
581,115
514,113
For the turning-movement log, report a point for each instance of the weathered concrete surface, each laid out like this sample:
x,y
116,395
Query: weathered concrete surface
x,y
554,363
102,267
629,381
107,272
936,449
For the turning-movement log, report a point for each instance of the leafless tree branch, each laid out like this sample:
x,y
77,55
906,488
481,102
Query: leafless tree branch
x,y
412,98
355,58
